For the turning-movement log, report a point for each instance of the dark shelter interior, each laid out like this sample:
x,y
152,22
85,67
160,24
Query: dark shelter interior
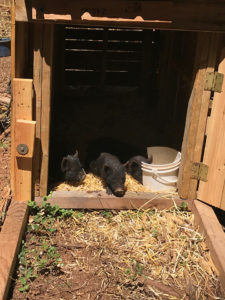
x,y
119,89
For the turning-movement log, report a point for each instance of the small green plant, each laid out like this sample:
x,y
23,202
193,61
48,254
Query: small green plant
x,y
2,145
26,271
183,206
44,216
136,270
107,214
155,233
78,214
43,257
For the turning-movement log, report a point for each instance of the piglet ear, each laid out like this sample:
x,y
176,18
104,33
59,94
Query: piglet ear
x,y
64,164
76,154
134,165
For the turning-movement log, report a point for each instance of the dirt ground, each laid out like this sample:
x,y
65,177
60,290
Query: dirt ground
x,y
4,137
115,255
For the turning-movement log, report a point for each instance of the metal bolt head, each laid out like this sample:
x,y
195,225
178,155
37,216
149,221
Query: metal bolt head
x,y
22,149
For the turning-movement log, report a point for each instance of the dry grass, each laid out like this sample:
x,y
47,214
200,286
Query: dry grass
x,y
94,183
158,251
5,20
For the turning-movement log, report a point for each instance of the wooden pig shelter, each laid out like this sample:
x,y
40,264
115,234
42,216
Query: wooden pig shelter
x,y
157,67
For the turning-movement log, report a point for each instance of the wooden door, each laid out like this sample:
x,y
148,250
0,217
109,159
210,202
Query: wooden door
x,y
213,190
205,61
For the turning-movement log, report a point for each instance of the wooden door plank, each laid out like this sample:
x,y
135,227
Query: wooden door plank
x,y
25,134
203,115
11,236
46,93
22,167
212,191
197,114
206,219
188,15
13,31
13,45
101,200
37,79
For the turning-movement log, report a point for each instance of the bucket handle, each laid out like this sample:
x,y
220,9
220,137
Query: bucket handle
x,y
162,180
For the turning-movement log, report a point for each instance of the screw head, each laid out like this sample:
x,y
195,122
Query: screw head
x,y
22,149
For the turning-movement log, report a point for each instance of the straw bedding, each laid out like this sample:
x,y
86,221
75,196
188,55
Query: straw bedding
x,y
94,183
156,253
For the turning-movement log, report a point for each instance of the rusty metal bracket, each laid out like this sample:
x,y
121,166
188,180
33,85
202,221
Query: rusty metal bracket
x,y
214,82
199,171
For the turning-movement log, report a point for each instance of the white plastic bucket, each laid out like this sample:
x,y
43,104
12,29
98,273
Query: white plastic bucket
x,y
161,175
175,163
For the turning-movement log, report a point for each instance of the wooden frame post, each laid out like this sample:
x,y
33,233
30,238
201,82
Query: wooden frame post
x,y
21,176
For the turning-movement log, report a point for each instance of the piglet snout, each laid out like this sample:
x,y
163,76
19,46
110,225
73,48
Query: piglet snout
x,y
119,192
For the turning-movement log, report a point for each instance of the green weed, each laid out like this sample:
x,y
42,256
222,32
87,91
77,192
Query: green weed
x,y
135,271
107,214
43,258
2,145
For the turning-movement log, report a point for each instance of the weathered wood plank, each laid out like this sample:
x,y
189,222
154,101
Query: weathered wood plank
x,y
25,134
101,200
11,236
46,93
37,79
13,44
202,119
206,219
22,167
212,191
181,15
196,114
13,35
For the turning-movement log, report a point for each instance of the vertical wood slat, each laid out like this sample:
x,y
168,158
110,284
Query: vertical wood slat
x,y
21,49
197,114
46,92
37,78
13,33
213,191
165,78
22,167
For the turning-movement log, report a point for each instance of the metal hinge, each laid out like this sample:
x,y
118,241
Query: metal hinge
x,y
214,82
199,171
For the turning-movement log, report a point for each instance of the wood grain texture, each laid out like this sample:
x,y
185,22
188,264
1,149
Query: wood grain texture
x,y
206,219
203,114
25,134
191,15
212,191
197,114
101,200
22,167
37,79
13,44
46,93
13,32
10,240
